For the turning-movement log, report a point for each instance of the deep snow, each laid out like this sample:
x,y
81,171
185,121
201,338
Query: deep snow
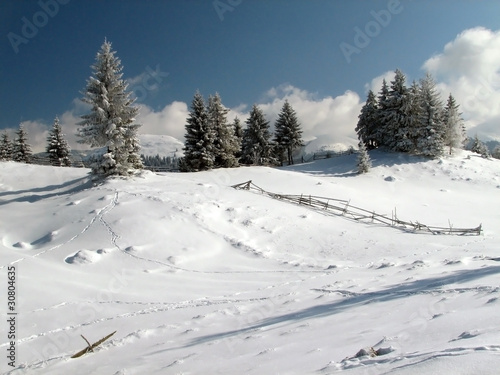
x,y
197,277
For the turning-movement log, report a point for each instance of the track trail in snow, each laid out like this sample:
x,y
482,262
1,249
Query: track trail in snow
x,y
98,216
115,237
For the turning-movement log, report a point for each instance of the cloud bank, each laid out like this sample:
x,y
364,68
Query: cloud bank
x,y
469,68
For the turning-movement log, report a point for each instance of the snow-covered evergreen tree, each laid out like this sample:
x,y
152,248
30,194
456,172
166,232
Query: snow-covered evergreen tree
x,y
480,148
21,149
287,133
367,123
238,136
57,147
6,148
395,115
111,121
412,109
225,144
496,153
256,147
379,134
199,149
430,125
453,124
363,163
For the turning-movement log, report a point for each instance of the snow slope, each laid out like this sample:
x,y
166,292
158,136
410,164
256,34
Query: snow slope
x,y
199,278
163,145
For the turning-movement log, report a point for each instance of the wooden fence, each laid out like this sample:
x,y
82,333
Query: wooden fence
x,y
43,160
343,208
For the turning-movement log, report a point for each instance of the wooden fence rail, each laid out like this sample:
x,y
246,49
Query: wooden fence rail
x,y
341,207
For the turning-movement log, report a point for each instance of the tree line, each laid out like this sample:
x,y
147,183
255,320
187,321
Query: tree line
x,y
212,142
157,161
19,149
411,119
403,119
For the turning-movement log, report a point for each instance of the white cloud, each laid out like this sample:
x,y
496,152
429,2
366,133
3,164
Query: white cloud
x,y
376,83
469,69
169,121
38,130
325,121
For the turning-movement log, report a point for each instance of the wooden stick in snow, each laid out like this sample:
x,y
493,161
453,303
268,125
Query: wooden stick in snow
x,y
90,348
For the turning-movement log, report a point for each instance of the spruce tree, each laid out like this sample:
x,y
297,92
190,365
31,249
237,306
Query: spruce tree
x,y
199,150
21,149
496,152
393,116
380,130
111,121
225,145
366,127
453,125
363,163
6,148
480,148
256,147
57,147
287,133
412,108
430,125
238,136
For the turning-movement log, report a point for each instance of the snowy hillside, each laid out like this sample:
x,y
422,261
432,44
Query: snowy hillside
x,y
163,145
196,277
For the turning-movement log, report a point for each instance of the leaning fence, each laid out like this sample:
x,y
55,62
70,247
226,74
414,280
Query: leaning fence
x,y
340,207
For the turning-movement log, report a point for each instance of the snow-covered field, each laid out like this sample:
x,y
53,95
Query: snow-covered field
x,y
196,277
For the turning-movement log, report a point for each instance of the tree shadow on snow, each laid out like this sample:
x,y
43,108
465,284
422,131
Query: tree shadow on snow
x,y
29,195
392,293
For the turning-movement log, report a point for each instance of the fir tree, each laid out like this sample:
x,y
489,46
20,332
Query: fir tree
x,y
225,144
238,136
199,150
412,109
6,148
380,130
256,146
366,127
393,117
287,133
453,125
496,152
480,148
110,122
363,163
21,149
57,147
430,124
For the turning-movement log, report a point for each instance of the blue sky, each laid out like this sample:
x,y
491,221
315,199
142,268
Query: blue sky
x,y
250,51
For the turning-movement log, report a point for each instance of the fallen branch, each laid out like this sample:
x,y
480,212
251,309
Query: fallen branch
x,y
90,348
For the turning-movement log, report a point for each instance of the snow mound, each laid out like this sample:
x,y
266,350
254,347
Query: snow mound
x,y
85,256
